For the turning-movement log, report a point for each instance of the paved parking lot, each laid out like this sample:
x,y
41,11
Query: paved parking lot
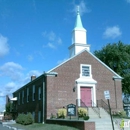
x,y
3,128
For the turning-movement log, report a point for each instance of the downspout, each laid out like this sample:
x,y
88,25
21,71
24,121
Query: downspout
x,y
44,105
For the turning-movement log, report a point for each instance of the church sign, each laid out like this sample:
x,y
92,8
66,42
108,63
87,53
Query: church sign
x,y
71,110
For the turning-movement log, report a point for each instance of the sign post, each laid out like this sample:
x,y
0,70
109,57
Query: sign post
x,y
107,97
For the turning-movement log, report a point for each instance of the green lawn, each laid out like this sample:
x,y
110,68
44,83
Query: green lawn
x,y
37,126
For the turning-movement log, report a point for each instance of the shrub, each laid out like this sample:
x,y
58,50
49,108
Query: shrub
x,y
82,112
29,119
62,113
121,114
20,119
7,117
86,117
52,116
24,119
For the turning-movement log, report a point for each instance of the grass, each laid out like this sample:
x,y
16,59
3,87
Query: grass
x,y
37,126
120,117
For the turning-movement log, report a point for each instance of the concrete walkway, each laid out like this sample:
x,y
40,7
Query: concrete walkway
x,y
7,125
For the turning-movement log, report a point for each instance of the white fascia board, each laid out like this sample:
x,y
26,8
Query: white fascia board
x,y
119,77
14,99
86,81
51,73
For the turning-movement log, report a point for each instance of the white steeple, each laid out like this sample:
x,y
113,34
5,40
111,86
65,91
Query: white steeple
x,y
79,40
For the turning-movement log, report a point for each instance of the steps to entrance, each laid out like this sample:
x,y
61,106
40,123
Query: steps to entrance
x,y
104,123
92,113
101,111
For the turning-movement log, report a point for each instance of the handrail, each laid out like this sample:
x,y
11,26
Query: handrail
x,y
96,109
80,103
101,103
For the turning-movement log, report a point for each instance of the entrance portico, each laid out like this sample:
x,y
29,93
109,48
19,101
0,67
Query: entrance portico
x,y
86,91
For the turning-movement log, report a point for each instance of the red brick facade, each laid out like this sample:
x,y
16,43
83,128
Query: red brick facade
x,y
81,125
60,89
57,91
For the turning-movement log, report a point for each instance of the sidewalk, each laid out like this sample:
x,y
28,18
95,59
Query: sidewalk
x,y
7,125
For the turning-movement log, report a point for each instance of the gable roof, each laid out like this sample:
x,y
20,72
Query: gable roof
x,y
117,76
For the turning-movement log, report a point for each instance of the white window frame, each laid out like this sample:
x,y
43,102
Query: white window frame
x,y
33,93
33,115
39,93
23,96
39,116
27,94
81,72
19,99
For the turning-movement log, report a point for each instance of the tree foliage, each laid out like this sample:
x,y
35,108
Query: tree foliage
x,y
117,57
8,107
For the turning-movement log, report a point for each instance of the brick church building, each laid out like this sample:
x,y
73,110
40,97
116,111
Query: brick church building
x,y
81,80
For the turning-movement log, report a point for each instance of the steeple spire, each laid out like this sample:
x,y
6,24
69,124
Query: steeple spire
x,y
78,23
79,37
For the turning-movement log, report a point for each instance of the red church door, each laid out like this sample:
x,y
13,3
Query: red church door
x,y
86,96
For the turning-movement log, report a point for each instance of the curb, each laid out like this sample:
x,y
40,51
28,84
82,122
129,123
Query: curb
x,y
12,128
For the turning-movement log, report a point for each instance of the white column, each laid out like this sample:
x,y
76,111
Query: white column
x,y
78,94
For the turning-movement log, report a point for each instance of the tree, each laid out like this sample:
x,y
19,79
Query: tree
x,y
117,57
8,107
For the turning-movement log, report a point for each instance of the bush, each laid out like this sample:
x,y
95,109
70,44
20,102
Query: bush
x,y
86,117
25,119
82,112
62,113
29,119
20,119
121,114
52,116
7,117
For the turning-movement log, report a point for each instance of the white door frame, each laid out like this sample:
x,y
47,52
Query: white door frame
x,y
93,91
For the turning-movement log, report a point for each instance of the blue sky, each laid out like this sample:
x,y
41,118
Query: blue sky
x,y
35,34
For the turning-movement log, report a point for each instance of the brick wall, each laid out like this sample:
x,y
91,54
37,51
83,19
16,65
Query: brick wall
x,y
30,106
60,89
81,125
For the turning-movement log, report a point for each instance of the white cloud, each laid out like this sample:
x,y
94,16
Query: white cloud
x,y
12,70
34,5
53,39
10,87
52,36
40,53
112,32
4,47
16,79
2,104
27,77
59,40
128,1
51,45
61,61
82,8
30,57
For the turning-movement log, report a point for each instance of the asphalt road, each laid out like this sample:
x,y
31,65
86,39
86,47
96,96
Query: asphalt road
x,y
3,128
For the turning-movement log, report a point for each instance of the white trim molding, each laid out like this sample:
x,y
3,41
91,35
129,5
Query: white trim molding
x,y
86,82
